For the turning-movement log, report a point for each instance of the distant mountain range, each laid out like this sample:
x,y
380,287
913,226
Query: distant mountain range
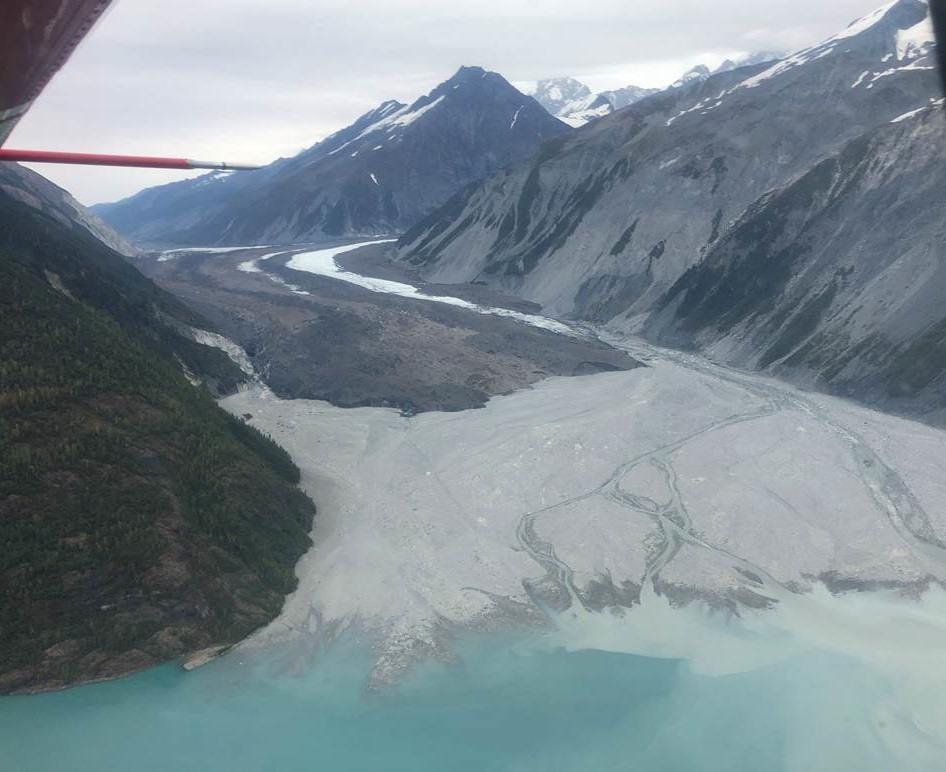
x,y
380,175
785,216
576,104
573,102
701,72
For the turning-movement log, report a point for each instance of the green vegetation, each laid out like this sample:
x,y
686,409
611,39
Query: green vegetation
x,y
140,521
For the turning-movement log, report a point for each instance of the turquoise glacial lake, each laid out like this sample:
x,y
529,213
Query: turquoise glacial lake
x,y
506,705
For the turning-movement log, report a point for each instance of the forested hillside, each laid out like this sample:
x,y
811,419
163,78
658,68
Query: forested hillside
x,y
140,521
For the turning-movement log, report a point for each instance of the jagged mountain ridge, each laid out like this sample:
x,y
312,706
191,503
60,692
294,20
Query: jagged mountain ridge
x,y
701,72
603,224
381,175
574,102
836,279
623,97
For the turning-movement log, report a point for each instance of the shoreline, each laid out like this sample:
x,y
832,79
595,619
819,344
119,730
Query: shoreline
x,y
383,436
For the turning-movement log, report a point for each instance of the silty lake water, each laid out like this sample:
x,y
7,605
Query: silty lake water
x,y
508,704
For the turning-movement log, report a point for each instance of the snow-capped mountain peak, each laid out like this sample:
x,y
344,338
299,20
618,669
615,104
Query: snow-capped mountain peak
x,y
698,73
380,175
896,38
701,72
557,95
576,104
899,30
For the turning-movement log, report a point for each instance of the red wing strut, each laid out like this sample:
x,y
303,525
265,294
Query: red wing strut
x,y
97,159
37,37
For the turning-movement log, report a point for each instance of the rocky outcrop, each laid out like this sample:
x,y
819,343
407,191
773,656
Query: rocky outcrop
x,y
783,217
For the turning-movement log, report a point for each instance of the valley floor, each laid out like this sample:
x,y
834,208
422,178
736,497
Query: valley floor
x,y
681,510
772,560
312,336
629,491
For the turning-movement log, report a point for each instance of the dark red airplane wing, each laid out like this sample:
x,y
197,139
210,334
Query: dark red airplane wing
x,y
37,37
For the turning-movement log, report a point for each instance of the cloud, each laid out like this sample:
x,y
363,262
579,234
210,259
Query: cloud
x,y
252,80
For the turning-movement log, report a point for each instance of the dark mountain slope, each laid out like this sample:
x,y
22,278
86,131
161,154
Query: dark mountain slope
x,y
605,220
838,278
379,176
30,188
786,217
139,520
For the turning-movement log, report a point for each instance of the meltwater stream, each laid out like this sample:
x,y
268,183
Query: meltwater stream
x,y
820,683
322,263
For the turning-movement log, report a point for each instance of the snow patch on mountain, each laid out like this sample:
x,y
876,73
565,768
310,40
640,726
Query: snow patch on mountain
x,y
515,118
911,45
406,119
863,24
391,121
916,41
574,103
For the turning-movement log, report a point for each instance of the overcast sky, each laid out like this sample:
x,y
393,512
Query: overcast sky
x,y
253,80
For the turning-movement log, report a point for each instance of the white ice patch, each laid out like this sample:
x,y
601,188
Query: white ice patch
x,y
252,266
912,67
406,119
916,41
170,254
374,127
913,113
515,118
322,262
209,179
819,51
863,24
795,60
907,116
702,107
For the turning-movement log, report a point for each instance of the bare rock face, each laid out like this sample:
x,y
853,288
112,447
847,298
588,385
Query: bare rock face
x,y
34,190
785,216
